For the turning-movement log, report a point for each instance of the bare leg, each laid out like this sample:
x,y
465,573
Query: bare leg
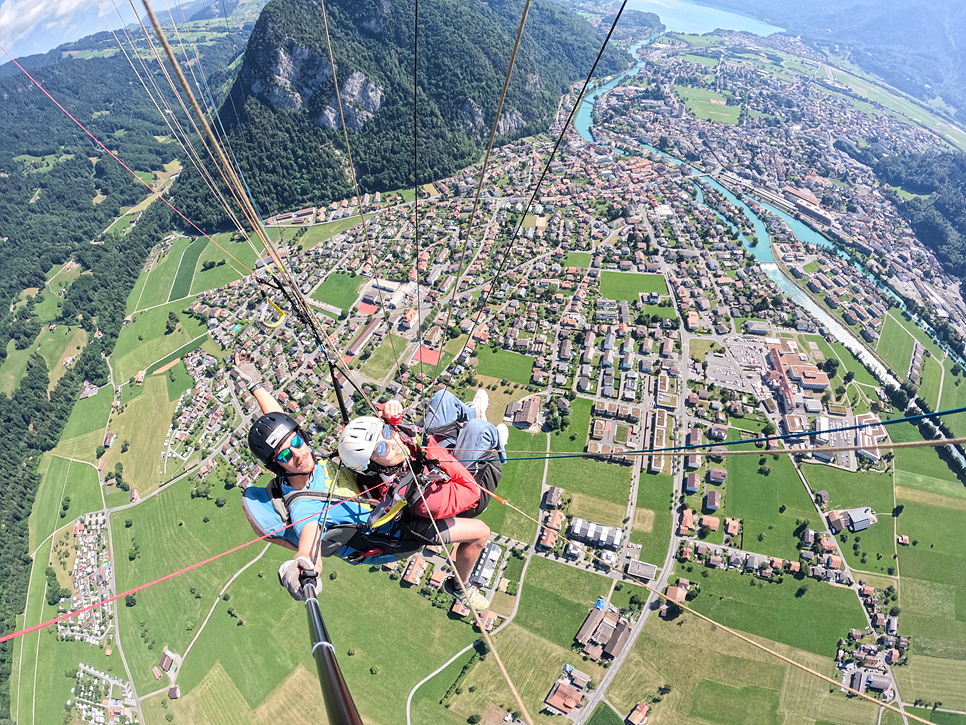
x,y
470,535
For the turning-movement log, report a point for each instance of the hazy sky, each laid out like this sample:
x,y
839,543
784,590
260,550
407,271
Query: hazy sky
x,y
36,26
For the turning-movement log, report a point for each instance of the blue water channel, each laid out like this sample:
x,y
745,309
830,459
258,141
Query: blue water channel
x,y
762,251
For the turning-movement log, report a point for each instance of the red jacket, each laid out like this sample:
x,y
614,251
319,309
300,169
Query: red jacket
x,y
444,499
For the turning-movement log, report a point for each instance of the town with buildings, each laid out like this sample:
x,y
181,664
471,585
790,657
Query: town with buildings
x,y
669,322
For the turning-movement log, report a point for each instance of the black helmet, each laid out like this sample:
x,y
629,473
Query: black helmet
x,y
265,436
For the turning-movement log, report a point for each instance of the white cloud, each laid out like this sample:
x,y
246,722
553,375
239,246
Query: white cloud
x,y
19,18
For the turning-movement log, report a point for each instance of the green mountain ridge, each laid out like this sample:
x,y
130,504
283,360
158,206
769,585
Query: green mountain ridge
x,y
283,101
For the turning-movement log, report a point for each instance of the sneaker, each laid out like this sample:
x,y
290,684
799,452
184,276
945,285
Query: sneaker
x,y
504,434
481,402
470,597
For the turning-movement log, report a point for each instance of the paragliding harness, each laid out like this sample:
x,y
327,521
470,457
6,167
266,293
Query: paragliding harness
x,y
268,510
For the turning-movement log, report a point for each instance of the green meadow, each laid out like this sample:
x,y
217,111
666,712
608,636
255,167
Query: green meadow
x,y
855,490
144,341
757,499
628,285
520,485
812,622
339,290
505,365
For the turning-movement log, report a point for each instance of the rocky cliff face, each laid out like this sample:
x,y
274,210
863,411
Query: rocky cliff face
x,y
284,109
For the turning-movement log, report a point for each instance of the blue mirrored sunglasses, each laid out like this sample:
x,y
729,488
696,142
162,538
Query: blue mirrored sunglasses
x,y
382,447
285,455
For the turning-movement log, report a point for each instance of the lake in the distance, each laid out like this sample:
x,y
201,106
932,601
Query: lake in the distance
x,y
683,17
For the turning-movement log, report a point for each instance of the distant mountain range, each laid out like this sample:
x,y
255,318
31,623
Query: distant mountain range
x,y
919,46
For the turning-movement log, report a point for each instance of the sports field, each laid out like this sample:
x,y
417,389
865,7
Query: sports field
x,y
895,346
143,341
707,105
144,423
628,285
716,678
505,365
339,290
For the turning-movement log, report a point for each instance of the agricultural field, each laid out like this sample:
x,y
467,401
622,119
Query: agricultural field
x,y
154,287
757,499
724,680
217,250
505,365
144,341
933,594
171,610
555,599
84,430
62,479
323,232
520,485
628,285
260,617
339,290
853,490
605,481
812,620
186,271
653,516
707,105
895,346
953,396
143,423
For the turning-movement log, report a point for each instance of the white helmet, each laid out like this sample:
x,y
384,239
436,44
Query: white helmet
x,y
358,440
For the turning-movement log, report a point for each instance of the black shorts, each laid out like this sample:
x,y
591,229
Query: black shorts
x,y
425,528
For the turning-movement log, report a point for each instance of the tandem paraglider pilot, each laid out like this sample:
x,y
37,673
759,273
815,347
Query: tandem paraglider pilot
x,y
390,497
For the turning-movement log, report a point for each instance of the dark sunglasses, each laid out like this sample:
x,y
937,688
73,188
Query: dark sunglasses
x,y
382,447
285,455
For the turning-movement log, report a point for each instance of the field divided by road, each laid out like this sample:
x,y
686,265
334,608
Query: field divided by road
x,y
396,631
714,678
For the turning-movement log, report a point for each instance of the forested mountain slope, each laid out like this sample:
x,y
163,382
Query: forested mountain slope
x,y
916,45
287,132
